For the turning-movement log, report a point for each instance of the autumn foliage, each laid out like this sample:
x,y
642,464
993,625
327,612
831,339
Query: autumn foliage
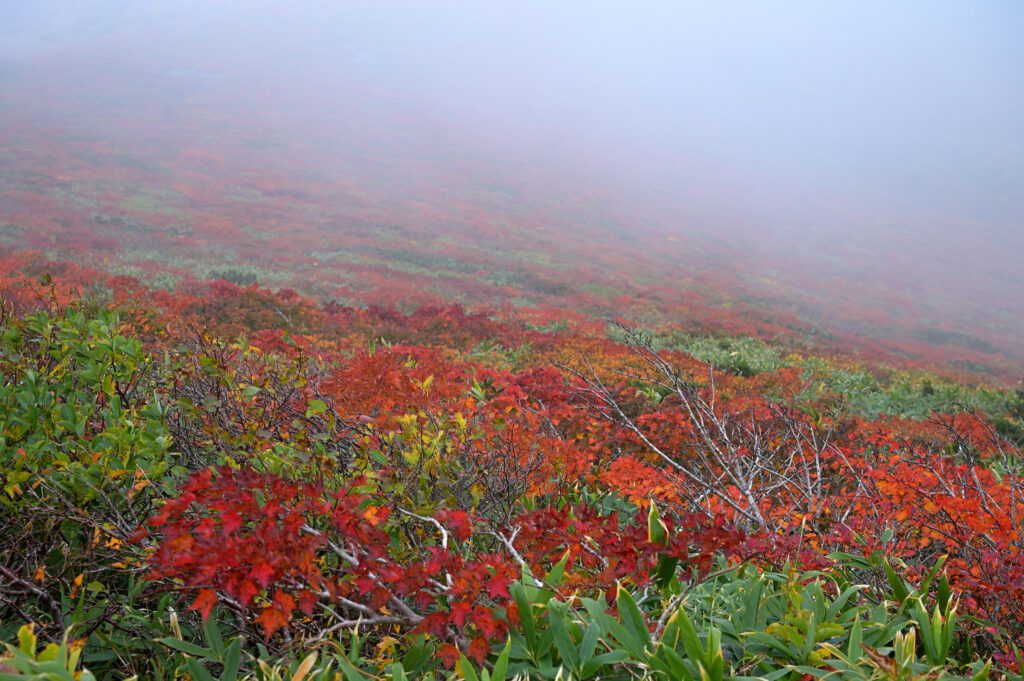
x,y
296,472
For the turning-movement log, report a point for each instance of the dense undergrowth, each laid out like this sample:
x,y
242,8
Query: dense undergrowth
x,y
247,485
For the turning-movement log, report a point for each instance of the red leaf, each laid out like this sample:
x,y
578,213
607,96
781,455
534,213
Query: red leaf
x,y
488,626
497,587
478,649
435,624
365,585
284,602
307,602
204,602
230,521
263,572
458,613
449,655
245,592
379,598
457,521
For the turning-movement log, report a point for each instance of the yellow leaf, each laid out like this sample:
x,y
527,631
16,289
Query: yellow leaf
x,y
304,668
78,584
140,484
27,639
40,574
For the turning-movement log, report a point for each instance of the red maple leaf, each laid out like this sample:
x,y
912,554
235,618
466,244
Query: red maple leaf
x,y
478,649
487,625
230,521
263,572
497,587
204,602
435,624
245,591
449,655
307,602
458,613
284,602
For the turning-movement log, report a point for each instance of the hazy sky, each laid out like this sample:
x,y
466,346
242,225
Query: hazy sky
x,y
807,122
908,102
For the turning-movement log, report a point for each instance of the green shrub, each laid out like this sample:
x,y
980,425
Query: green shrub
x,y
84,451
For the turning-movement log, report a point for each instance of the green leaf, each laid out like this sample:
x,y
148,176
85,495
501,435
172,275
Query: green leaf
x,y
27,639
840,602
501,664
671,664
467,669
315,407
632,618
349,670
657,531
899,587
197,671
231,659
666,570
563,641
526,621
775,644
691,641
186,647
612,627
853,649
557,572
595,664
589,643
211,633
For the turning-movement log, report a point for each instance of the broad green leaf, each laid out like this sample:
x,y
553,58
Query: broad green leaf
x,y
186,647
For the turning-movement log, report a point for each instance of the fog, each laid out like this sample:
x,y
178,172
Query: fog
x,y
799,125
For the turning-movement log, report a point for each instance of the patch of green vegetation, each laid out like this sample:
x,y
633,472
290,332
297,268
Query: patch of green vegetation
x,y
502,278
441,267
246,195
165,257
11,234
243,275
738,355
964,340
426,262
974,367
904,394
153,201
493,354
133,225
157,280
603,290
554,326
536,258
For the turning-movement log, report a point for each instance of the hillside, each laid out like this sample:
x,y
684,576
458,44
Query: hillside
x,y
561,341
188,474
180,172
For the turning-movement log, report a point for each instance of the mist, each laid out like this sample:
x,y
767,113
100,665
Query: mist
x,y
760,136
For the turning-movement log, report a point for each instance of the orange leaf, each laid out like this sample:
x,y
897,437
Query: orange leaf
x,y
271,619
